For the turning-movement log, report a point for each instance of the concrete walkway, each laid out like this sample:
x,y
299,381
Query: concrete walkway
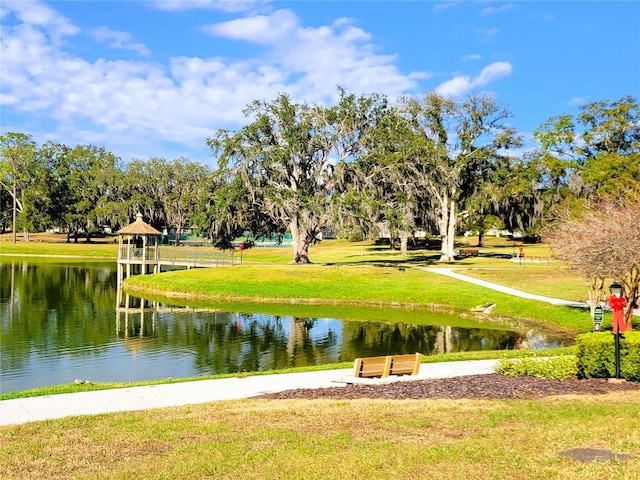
x,y
449,272
31,409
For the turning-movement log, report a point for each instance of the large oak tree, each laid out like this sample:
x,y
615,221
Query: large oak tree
x,y
452,146
286,157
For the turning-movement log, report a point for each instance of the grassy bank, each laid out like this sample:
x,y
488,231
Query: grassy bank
x,y
326,439
44,246
367,286
352,283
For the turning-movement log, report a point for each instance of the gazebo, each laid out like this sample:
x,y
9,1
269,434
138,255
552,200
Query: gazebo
x,y
138,249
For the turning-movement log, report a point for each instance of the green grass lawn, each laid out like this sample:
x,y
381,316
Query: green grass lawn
x,y
548,279
367,286
335,439
55,245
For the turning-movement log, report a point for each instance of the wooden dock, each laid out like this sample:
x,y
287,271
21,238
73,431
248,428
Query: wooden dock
x,y
142,261
140,253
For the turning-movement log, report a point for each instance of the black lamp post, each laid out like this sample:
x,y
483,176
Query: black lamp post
x,y
616,289
617,303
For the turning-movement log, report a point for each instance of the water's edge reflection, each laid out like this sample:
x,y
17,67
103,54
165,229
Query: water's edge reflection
x,y
62,322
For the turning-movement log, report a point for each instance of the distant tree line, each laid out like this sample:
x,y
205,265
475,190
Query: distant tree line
x,y
361,166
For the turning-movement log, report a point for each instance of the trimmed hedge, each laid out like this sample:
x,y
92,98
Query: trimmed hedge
x,y
596,355
557,368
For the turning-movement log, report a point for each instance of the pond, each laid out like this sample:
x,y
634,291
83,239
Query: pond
x,y
61,322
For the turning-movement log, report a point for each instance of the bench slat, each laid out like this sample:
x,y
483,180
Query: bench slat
x,y
371,367
405,364
382,367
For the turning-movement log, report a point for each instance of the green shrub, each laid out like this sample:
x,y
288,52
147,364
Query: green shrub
x,y
596,355
557,368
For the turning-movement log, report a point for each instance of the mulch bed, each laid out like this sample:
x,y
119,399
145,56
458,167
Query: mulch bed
x,y
480,387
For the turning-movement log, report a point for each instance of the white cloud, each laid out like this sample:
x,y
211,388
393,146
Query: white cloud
x,y
456,86
223,5
471,57
120,40
462,84
259,29
320,58
442,6
494,10
577,101
493,72
141,108
122,102
41,15
488,32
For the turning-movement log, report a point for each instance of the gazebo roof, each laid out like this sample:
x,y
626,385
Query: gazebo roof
x,y
138,228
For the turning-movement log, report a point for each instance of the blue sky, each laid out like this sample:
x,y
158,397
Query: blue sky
x,y
156,78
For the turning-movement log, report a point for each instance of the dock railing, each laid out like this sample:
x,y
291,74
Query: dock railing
x,y
195,258
135,253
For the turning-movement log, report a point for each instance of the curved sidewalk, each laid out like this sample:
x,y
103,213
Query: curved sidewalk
x,y
23,410
449,272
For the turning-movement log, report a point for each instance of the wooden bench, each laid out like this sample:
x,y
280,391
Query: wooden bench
x,y
469,252
370,367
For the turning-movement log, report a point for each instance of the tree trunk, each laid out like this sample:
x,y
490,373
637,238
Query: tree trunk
x,y
178,233
451,238
298,338
443,221
628,319
404,240
481,238
15,208
444,340
447,226
392,238
595,287
300,244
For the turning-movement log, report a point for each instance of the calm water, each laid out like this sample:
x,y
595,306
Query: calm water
x,y
63,322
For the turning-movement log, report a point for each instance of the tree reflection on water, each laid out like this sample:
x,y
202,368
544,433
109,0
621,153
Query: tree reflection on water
x,y
57,324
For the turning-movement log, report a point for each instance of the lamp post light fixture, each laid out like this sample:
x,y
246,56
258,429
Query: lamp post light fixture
x,y
616,289
617,303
